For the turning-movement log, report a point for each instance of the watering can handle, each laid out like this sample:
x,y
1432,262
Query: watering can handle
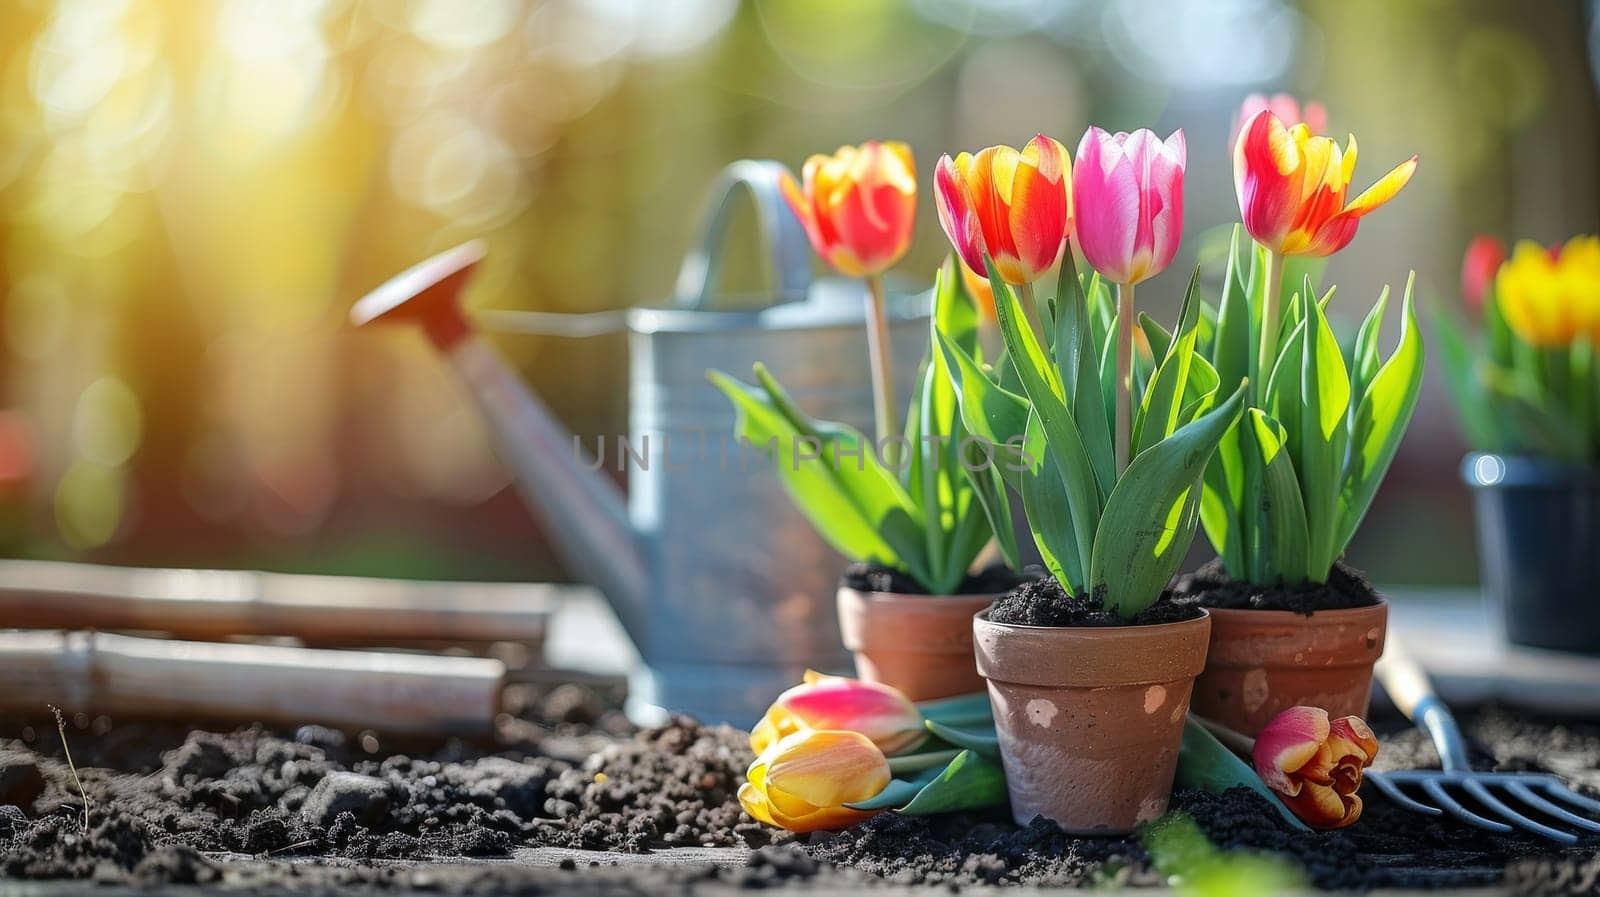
x,y
788,249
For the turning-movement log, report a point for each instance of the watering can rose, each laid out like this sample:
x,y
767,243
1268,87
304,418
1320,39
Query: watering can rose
x,y
1014,205
1314,764
1551,297
803,781
858,206
1292,186
881,714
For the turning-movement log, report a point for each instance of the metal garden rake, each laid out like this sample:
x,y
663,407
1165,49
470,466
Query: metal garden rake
x,y
1498,794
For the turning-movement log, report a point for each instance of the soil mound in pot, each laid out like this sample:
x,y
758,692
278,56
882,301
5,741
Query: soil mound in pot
x,y
1043,602
991,580
1210,586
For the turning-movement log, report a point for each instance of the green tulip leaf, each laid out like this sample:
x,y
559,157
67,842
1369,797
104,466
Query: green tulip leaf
x,y
980,739
899,791
1205,764
962,710
972,781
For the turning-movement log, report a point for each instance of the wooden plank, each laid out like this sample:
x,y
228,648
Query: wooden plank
x,y
151,677
215,604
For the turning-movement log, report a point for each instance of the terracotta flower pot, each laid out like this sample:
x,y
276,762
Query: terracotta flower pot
x,y
1090,718
920,644
1263,662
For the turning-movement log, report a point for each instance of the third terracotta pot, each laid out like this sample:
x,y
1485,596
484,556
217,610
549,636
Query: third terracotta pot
x,y
1090,718
1262,662
919,644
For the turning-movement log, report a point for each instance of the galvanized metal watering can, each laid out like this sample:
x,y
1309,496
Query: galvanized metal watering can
x,y
724,588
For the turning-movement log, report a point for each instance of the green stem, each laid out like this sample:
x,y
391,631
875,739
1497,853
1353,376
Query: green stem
x,y
1270,315
1030,309
878,354
1124,374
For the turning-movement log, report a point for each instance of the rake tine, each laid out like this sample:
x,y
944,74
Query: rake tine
x,y
1527,796
1557,789
1455,809
1393,792
1476,789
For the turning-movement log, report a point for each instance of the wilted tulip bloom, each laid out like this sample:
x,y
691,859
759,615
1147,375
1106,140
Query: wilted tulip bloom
x,y
1013,205
880,713
803,781
1127,196
1482,262
858,206
1550,297
1285,107
1314,765
1292,186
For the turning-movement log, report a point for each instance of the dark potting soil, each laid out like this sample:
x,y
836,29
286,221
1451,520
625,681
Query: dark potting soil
x,y
1211,586
169,805
1043,602
991,580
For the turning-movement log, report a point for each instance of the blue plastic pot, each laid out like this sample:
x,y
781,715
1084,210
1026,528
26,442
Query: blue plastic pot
x,y
1539,547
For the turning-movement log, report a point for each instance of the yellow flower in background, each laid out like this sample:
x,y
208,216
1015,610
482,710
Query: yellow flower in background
x,y
1551,297
803,781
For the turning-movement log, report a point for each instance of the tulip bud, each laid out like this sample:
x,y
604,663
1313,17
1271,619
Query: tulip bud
x,y
1292,186
1127,193
803,781
858,206
881,713
1314,765
1484,256
1013,206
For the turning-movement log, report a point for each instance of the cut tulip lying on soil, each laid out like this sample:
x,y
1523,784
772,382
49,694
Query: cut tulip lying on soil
x,y
829,778
1314,763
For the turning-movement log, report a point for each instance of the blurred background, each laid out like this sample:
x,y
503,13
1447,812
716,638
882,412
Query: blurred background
x,y
192,194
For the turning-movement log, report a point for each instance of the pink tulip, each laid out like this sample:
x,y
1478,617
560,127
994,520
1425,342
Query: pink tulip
x,y
1314,764
1285,107
885,716
1127,198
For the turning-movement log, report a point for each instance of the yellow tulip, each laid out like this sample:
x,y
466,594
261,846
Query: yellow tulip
x,y
803,781
1551,297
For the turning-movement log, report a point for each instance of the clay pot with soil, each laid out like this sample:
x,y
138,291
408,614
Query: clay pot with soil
x,y
918,643
1276,648
1089,714
1538,528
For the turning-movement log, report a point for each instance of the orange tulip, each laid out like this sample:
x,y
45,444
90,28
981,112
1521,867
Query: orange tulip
x,y
880,713
1314,765
1292,187
803,781
1015,206
858,205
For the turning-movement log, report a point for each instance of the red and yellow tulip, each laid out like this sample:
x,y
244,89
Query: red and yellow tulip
x,y
1292,186
802,781
1315,764
1013,205
1127,195
858,205
881,714
1288,110
1551,297
1484,256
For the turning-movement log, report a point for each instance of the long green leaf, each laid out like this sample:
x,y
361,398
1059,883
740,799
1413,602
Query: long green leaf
x,y
1281,517
1325,399
1050,520
1150,518
1380,422
982,740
